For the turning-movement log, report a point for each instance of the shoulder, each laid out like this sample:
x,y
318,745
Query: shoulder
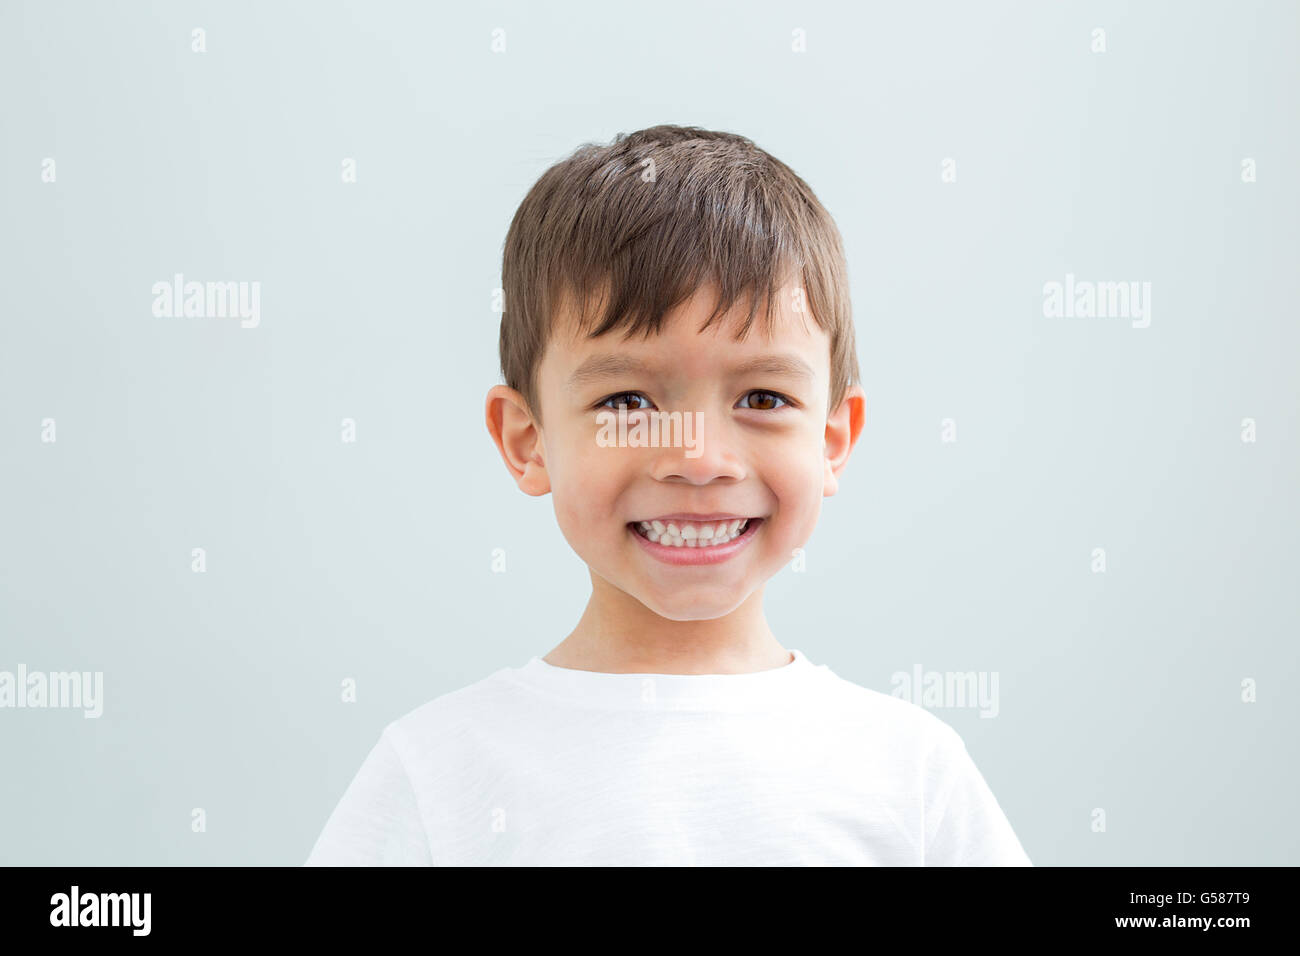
x,y
886,716
445,716
963,822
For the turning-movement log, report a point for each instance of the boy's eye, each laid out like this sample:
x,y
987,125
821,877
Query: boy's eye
x,y
768,398
622,396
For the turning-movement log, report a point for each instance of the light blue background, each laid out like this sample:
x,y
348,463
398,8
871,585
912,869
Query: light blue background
x,y
371,560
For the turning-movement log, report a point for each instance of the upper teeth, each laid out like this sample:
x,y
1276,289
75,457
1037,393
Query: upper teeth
x,y
688,535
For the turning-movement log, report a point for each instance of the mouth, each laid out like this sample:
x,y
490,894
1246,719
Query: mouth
x,y
695,535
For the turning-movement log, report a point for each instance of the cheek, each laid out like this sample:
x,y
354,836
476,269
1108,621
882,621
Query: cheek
x,y
797,484
585,487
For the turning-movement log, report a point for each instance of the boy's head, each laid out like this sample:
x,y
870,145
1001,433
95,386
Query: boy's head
x,y
659,265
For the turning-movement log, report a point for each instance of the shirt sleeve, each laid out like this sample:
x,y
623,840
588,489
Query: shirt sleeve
x,y
377,822
966,826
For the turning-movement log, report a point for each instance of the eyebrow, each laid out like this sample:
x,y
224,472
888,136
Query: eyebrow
x,y
608,365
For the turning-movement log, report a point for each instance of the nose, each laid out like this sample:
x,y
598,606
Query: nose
x,y
709,450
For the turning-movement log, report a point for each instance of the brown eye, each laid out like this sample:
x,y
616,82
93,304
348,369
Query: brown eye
x,y
622,403
767,401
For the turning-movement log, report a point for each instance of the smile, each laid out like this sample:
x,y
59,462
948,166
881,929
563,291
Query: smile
x,y
689,534
675,542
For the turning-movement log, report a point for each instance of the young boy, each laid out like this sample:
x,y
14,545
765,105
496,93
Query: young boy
x,y
686,453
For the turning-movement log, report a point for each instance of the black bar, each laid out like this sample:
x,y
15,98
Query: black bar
x,y
242,904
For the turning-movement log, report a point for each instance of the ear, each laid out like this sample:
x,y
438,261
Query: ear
x,y
842,430
518,438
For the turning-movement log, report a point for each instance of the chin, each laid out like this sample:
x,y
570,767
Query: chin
x,y
694,611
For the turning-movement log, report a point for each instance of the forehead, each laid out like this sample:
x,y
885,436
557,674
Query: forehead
x,y
682,348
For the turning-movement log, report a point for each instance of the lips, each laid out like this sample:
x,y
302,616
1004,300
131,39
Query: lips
x,y
671,548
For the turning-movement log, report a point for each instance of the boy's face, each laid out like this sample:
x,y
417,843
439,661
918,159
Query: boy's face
x,y
762,448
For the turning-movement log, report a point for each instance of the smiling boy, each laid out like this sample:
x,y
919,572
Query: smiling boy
x,y
674,270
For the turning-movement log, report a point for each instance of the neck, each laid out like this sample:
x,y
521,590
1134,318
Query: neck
x,y
618,634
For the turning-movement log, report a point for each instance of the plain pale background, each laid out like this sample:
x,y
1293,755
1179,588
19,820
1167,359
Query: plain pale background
x,y
372,561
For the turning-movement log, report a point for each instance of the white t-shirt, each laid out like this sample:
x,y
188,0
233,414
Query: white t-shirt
x,y
545,765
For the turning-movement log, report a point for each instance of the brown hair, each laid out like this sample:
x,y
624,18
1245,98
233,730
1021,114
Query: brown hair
x,y
645,221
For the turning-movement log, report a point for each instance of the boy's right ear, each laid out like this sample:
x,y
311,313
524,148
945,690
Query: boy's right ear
x,y
518,438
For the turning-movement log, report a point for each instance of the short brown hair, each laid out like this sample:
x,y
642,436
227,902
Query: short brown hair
x,y
717,208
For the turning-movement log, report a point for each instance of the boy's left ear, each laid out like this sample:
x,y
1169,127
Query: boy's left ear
x,y
842,430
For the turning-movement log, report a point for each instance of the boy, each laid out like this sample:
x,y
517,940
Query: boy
x,y
670,726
